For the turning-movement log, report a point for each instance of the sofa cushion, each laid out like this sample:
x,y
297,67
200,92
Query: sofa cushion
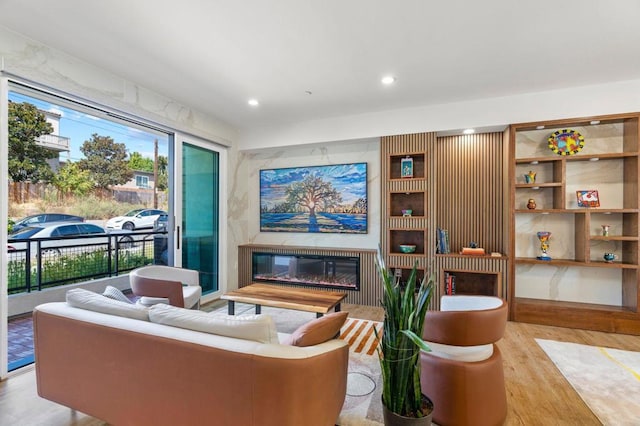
x,y
318,331
115,294
85,299
259,328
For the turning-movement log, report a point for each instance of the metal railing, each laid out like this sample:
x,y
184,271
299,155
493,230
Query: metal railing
x,y
55,142
41,263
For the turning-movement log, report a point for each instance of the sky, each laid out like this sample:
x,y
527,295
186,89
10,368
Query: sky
x,y
79,126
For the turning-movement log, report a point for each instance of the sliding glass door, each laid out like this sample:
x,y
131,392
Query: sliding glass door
x,y
182,175
201,213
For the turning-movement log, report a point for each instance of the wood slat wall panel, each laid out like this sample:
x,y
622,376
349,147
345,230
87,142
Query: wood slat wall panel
x,y
370,285
469,190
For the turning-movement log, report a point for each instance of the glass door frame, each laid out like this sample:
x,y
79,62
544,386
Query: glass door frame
x,y
179,140
4,213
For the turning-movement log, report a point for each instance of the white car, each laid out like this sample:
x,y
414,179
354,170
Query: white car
x,y
135,219
71,238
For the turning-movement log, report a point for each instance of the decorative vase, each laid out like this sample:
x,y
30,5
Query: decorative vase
x,y
531,204
544,236
530,177
393,419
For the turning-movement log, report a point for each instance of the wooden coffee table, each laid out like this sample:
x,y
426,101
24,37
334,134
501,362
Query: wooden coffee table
x,y
300,299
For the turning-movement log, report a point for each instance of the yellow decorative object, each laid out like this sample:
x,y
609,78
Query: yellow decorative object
x,y
530,177
566,142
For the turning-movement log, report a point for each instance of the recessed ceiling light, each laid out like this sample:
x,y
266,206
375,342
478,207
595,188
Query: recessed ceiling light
x,y
468,131
253,102
388,79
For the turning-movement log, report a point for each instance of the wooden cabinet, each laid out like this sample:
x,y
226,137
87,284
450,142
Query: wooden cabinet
x,y
577,287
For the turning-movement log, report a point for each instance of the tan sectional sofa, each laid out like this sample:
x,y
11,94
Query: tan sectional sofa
x,y
129,371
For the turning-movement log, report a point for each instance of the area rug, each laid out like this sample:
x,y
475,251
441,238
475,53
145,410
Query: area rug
x,y
362,405
607,380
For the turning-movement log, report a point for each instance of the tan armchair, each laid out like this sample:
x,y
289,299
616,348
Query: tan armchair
x,y
166,284
463,375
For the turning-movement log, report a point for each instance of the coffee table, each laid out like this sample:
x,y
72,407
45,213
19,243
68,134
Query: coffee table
x,y
300,299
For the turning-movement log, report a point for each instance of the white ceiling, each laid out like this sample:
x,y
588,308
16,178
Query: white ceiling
x,y
215,55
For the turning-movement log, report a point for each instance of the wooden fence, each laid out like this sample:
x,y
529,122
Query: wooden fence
x,y
27,192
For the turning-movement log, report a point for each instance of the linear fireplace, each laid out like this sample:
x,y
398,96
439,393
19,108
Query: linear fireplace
x,y
338,272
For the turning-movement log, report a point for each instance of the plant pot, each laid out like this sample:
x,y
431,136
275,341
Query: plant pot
x,y
393,419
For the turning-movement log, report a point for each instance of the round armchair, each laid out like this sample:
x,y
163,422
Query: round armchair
x,y
166,284
463,375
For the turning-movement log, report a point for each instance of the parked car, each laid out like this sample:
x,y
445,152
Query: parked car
x,y
44,218
135,219
19,240
162,223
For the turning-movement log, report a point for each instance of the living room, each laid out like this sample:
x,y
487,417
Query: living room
x,y
308,135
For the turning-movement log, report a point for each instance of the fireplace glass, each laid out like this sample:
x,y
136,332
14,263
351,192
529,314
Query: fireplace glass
x,y
338,272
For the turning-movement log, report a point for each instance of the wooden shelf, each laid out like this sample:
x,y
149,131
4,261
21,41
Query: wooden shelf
x,y
570,262
405,193
539,185
610,163
581,157
612,238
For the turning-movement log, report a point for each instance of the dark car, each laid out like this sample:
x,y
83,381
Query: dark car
x,y
161,223
43,219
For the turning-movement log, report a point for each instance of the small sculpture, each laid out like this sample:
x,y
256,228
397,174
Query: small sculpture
x,y
530,177
609,257
544,236
531,204
605,230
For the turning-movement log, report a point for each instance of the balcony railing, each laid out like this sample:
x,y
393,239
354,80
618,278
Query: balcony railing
x,y
55,142
50,262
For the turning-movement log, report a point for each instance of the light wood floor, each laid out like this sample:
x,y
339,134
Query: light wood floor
x,y
537,394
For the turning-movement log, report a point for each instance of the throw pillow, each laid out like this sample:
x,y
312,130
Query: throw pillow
x,y
318,331
115,294
85,299
259,328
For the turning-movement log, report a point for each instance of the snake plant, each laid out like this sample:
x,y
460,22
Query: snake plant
x,y
405,306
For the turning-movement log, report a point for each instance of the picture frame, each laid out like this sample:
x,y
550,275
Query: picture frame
x,y
406,167
315,199
588,198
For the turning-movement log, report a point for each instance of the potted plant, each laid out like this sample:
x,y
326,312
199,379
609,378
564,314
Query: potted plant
x,y
405,307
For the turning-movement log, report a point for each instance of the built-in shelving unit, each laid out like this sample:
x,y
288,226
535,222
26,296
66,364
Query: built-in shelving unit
x,y
400,194
476,282
577,287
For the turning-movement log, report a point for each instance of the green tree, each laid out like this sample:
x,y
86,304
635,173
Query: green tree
x,y
314,194
162,182
71,179
140,163
28,160
106,161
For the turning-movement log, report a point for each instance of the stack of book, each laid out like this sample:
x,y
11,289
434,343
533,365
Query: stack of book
x,y
449,284
442,240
